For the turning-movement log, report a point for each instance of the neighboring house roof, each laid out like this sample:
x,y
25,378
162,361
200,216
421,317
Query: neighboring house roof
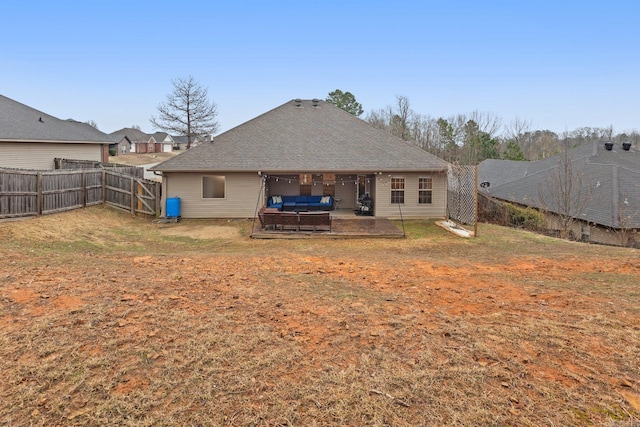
x,y
163,137
183,140
609,181
310,136
20,123
133,135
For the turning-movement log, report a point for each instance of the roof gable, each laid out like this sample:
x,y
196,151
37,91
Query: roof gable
x,y
134,135
163,137
305,135
19,122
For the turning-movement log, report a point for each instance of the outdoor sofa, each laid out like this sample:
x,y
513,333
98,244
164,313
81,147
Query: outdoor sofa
x,y
301,203
273,219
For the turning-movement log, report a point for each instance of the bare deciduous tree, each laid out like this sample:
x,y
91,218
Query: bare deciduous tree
x,y
565,192
187,111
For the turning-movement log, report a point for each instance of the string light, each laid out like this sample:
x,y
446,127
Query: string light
x,y
294,180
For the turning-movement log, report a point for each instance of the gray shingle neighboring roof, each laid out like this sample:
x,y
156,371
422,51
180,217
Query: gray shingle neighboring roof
x,y
20,123
133,135
304,137
611,180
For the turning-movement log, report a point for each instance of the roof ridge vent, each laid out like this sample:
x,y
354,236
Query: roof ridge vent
x,y
626,146
298,102
315,102
608,146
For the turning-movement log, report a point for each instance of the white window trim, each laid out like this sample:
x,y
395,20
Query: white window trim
x,y
425,189
403,190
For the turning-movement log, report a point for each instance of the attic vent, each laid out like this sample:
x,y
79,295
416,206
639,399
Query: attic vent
x,y
40,120
298,102
315,102
626,146
608,146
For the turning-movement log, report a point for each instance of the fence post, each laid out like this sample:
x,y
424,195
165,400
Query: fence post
x,y
475,222
104,187
84,189
39,193
140,193
133,196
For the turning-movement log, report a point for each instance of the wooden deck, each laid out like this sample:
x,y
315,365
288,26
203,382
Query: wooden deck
x,y
344,224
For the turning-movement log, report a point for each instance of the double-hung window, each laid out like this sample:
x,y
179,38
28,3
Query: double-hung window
x,y
397,190
425,190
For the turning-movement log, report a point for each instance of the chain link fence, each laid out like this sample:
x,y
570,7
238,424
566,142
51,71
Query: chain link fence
x,y
462,194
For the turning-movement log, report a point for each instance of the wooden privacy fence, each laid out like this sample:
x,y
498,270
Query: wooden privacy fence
x,y
28,193
136,171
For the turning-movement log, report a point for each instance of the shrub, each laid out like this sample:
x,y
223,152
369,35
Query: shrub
x,y
525,217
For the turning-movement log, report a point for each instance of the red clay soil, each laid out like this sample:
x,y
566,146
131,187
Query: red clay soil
x,y
514,323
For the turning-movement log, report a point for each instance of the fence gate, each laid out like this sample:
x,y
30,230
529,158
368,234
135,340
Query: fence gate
x,y
140,196
462,199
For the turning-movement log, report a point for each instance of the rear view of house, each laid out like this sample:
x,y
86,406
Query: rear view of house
x,y
306,148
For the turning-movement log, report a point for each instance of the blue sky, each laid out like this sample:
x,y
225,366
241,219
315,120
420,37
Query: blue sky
x,y
559,64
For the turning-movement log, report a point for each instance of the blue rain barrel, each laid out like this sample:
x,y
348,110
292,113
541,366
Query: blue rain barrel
x,y
173,207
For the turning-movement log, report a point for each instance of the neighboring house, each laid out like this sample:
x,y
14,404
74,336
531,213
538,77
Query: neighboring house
x,y
130,140
31,139
305,148
165,140
605,180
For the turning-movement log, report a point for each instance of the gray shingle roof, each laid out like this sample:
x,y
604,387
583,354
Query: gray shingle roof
x,y
610,181
20,123
133,135
298,137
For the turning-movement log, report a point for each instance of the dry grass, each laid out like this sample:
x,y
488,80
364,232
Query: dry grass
x,y
142,159
108,320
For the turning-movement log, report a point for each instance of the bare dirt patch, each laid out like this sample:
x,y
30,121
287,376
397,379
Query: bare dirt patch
x,y
120,323
197,230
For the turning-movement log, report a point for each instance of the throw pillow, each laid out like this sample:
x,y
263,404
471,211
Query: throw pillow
x,y
325,200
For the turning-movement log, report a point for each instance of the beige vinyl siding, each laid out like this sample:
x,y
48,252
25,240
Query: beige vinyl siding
x,y
241,195
40,155
610,237
411,207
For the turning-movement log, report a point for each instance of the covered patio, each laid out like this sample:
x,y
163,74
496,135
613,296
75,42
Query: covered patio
x,y
345,189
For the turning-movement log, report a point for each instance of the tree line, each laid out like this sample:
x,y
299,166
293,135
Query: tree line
x,y
474,137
